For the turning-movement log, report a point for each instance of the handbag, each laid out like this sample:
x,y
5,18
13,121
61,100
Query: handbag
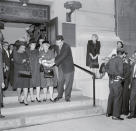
x,y
48,73
25,74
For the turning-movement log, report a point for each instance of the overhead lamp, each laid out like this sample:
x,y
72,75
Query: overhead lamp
x,y
24,2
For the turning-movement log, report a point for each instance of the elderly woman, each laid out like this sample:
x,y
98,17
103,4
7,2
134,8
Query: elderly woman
x,y
48,79
21,64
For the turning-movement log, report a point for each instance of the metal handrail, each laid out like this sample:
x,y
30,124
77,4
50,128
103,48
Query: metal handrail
x,y
94,77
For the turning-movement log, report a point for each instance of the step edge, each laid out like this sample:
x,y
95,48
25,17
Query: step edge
x,y
85,113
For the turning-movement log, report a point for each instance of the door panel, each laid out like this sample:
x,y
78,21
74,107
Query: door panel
x,y
53,30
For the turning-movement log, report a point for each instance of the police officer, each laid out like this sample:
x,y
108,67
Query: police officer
x,y
115,71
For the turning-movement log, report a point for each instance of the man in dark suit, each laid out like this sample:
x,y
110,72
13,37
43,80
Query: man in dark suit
x,y
115,72
6,63
1,74
64,61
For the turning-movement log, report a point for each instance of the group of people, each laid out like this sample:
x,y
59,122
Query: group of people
x,y
121,70
28,66
32,66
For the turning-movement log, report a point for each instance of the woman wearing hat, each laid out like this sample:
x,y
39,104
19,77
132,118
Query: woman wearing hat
x,y
48,77
35,69
21,64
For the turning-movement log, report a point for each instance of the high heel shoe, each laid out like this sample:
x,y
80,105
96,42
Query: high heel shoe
x,y
26,104
32,100
20,101
38,100
52,100
44,100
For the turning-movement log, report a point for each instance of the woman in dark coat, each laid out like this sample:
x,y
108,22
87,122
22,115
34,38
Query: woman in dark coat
x,y
93,51
21,64
47,55
35,69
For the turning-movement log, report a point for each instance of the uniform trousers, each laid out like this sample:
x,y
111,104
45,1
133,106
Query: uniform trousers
x,y
125,97
115,98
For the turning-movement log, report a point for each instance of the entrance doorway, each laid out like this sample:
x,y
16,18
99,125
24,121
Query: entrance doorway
x,y
14,31
18,19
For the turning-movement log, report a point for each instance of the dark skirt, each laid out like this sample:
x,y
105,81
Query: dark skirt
x,y
21,82
47,82
94,63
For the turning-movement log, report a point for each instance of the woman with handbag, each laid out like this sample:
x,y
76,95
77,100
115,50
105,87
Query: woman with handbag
x,y
21,71
35,69
48,79
93,51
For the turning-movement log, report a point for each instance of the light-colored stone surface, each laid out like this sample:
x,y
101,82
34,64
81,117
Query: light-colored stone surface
x,y
95,123
19,115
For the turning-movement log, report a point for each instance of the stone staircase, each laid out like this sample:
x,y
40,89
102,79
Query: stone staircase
x,y
19,115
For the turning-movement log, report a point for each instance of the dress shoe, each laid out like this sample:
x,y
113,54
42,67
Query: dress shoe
x,y
117,118
26,104
134,116
130,117
1,116
38,100
108,115
32,101
57,99
2,105
52,100
21,102
44,100
68,100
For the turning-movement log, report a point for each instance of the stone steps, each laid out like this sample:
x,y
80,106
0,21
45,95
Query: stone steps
x,y
11,96
17,108
36,118
19,115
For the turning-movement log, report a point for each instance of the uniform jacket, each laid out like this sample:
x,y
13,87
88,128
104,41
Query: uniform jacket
x,y
115,66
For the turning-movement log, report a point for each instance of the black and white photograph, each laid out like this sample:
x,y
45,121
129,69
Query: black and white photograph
x,y
67,65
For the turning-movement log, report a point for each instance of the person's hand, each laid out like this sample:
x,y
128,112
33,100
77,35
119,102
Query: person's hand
x,y
3,85
93,58
90,54
52,64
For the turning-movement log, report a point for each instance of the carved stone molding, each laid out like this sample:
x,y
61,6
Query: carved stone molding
x,y
15,12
